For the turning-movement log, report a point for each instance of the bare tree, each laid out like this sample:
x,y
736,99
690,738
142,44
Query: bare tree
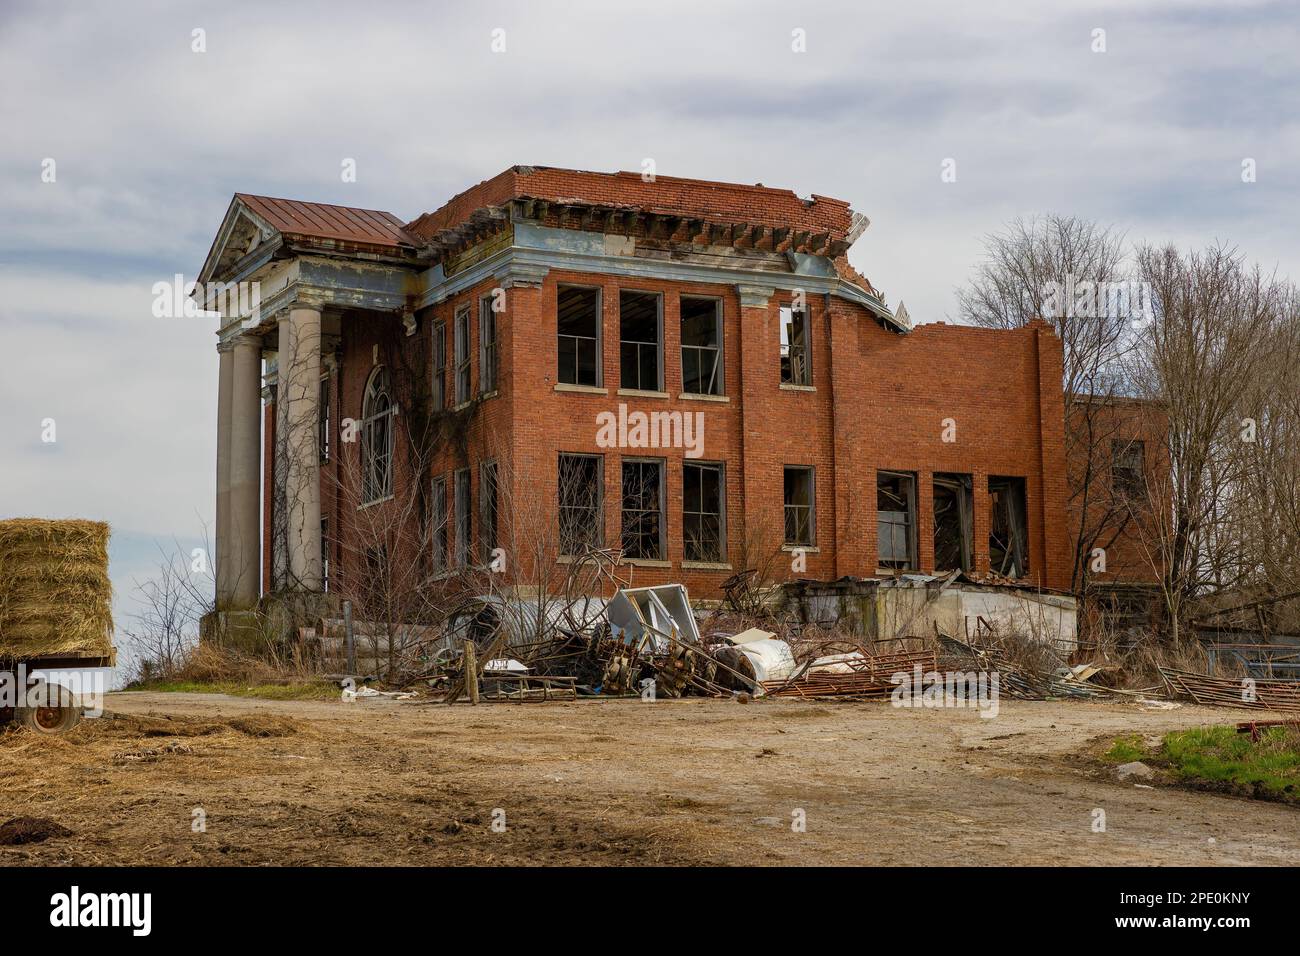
x,y
1215,327
172,603
1072,273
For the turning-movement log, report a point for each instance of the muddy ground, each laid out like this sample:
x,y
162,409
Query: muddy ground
x,y
614,782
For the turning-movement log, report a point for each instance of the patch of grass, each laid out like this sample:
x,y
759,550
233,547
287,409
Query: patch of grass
x,y
1268,768
1126,750
298,690
1220,759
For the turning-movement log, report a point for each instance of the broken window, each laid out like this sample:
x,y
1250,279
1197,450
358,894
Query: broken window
x,y
487,508
800,519
701,346
954,534
1008,527
578,324
580,502
439,366
438,523
1128,468
462,355
702,512
643,508
796,369
463,547
324,421
896,520
640,338
377,434
487,346
325,554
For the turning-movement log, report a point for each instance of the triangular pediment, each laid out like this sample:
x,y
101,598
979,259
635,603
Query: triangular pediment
x,y
242,232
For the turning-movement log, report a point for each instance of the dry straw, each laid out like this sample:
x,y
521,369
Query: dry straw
x,y
55,595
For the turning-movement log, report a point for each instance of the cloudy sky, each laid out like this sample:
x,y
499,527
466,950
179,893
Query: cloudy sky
x,y
149,139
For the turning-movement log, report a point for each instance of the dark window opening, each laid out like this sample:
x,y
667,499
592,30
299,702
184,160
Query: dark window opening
x,y
796,368
896,520
1008,527
578,324
324,409
800,518
464,548
487,346
640,340
1128,468
325,554
438,524
580,503
954,534
701,346
643,509
487,508
439,366
702,512
462,356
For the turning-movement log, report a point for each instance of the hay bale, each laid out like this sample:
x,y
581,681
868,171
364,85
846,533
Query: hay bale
x,y
55,595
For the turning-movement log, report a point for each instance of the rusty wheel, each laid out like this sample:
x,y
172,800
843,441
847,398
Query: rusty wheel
x,y
58,715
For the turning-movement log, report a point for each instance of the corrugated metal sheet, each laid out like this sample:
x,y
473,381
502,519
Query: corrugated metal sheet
x,y
323,221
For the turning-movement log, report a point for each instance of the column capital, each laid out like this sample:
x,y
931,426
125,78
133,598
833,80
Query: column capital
x,y
754,296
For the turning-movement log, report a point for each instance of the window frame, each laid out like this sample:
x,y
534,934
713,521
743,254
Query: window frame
x,y
719,351
786,347
658,385
811,470
488,350
439,524
439,363
662,465
910,522
463,545
461,343
721,469
372,490
600,336
489,532
597,508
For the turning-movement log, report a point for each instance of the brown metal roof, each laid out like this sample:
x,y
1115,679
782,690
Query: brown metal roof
x,y
323,221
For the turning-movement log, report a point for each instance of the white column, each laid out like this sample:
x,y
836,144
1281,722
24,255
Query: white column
x,y
299,396
245,456
222,531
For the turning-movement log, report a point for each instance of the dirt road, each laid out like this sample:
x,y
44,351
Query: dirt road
x,y
614,782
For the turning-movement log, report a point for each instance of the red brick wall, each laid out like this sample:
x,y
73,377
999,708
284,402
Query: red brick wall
x,y
880,402
724,203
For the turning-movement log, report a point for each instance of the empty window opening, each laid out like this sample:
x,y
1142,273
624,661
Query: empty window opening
x,y
439,366
581,481
324,408
1008,527
463,547
462,356
954,535
488,509
796,369
1128,468
439,532
487,346
640,340
701,346
800,516
896,520
702,512
325,554
377,438
643,508
578,324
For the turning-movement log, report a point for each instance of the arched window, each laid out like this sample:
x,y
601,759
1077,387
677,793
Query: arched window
x,y
377,411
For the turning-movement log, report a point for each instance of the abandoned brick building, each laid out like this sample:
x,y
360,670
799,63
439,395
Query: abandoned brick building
x,y
686,370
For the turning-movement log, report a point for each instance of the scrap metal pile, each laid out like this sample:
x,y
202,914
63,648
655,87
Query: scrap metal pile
x,y
644,642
